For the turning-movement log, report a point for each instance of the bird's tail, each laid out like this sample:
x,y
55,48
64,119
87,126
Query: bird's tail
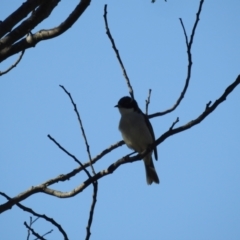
x,y
151,173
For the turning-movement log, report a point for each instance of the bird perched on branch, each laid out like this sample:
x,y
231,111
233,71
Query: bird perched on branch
x,y
137,133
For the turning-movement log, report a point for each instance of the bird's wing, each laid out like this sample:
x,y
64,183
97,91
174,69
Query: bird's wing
x,y
152,133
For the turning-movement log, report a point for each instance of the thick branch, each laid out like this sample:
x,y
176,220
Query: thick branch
x,y
33,39
22,12
41,13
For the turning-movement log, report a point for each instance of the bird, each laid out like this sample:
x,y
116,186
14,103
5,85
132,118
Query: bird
x,y
137,133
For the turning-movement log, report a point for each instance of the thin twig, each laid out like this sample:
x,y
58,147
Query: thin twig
x,y
95,183
184,32
29,229
33,232
208,104
117,52
174,123
48,219
81,126
189,69
94,200
148,100
70,155
50,231
14,65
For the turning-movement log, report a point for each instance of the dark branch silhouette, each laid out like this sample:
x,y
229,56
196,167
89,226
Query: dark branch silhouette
x,y
117,53
189,69
21,38
48,219
44,187
95,183
148,100
33,232
14,65
14,40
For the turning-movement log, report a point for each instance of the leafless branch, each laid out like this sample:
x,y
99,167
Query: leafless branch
x,y
51,220
148,100
81,126
174,123
33,232
70,155
189,69
45,234
95,183
15,41
42,12
94,200
19,15
14,65
117,52
43,187
30,224
209,109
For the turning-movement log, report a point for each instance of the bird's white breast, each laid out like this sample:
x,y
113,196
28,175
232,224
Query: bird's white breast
x,y
134,131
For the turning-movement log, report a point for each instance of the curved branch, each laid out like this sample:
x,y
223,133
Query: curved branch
x,y
14,65
117,53
95,184
33,39
33,232
207,111
51,220
189,69
43,187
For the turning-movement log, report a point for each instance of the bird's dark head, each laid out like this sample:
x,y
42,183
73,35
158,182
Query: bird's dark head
x,y
127,103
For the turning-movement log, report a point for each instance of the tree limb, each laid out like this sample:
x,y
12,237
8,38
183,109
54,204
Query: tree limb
x,y
13,45
14,65
117,52
189,69
43,187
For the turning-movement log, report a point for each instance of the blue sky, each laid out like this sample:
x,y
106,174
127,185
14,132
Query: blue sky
x,y
199,169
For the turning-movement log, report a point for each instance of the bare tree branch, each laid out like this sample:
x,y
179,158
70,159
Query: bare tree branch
x,y
189,69
11,44
51,220
174,123
148,100
94,200
45,234
22,12
43,187
209,109
81,126
37,16
70,155
30,224
117,53
95,183
33,232
14,65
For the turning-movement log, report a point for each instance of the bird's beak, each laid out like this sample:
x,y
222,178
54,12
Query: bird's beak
x,y
116,106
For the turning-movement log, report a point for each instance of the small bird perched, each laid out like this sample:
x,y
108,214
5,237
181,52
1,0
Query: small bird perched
x,y
137,133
